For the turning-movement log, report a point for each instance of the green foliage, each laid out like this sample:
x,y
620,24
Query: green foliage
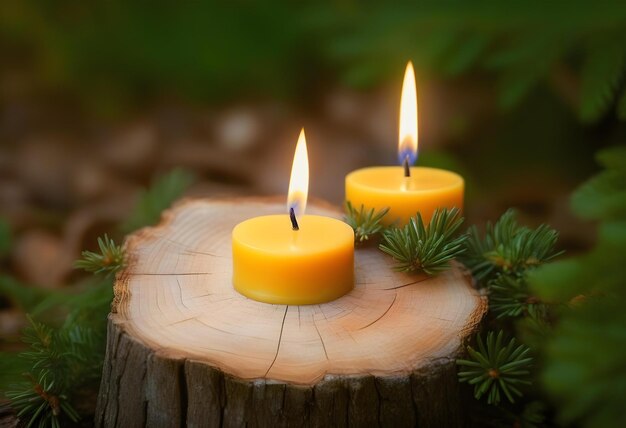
x,y
40,401
584,371
430,249
508,248
522,46
11,368
366,223
601,76
502,260
21,295
65,355
60,361
165,190
621,106
496,368
110,259
603,197
584,368
510,297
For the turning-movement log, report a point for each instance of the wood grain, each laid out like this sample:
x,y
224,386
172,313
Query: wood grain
x,y
204,355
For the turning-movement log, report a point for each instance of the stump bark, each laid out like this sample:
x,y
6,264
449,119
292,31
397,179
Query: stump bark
x,y
185,349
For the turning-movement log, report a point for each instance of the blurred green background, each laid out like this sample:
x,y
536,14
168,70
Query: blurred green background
x,y
99,98
516,96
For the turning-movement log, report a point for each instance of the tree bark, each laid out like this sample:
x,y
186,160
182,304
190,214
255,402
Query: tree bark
x,y
185,349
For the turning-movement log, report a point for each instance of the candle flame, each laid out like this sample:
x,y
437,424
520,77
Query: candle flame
x,y
299,181
407,137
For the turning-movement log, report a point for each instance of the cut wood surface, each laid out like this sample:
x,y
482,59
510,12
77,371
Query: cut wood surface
x,y
184,348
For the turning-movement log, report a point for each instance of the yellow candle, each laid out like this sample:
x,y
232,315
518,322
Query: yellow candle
x,y
273,263
405,190
293,259
386,186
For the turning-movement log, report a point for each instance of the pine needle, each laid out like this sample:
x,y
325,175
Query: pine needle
x,y
429,249
510,297
110,259
366,223
496,369
508,247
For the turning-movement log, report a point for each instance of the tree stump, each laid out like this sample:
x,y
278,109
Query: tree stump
x,y
185,349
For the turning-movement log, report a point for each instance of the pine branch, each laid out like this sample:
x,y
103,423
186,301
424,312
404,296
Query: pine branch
x,y
508,248
496,369
510,297
366,223
40,337
429,249
110,260
61,361
57,359
40,402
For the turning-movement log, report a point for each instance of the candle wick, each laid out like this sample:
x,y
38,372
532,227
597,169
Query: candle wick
x,y
294,221
407,169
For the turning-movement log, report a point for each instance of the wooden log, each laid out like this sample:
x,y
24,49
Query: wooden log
x,y
185,349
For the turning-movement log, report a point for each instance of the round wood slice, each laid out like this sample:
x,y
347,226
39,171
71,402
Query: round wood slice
x,y
185,349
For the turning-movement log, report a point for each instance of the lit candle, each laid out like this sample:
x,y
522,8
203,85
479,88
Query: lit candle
x,y
405,189
294,259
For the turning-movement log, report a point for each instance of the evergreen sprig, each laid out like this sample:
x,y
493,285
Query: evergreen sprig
x,y
40,401
366,223
510,297
430,249
110,259
508,247
60,361
496,368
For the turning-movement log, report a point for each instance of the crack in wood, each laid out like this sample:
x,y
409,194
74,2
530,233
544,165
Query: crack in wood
x,y
202,295
380,401
180,290
384,313
185,320
121,376
214,392
202,253
406,285
184,394
214,328
321,308
321,340
280,338
118,380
